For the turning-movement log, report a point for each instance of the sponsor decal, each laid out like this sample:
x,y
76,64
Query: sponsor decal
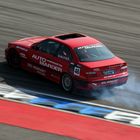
x,y
57,64
77,71
47,63
21,48
29,65
90,46
63,57
22,55
109,82
37,69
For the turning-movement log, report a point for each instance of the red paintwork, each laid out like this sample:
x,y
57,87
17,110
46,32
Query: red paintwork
x,y
27,42
31,62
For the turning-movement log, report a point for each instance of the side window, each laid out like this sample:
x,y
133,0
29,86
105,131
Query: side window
x,y
64,53
48,46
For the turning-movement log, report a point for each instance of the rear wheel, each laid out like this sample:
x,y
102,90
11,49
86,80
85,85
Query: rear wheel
x,y
67,82
13,58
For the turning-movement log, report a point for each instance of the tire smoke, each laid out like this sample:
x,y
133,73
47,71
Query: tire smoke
x,y
127,95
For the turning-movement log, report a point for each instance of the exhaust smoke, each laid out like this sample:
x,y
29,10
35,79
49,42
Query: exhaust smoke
x,y
132,85
127,95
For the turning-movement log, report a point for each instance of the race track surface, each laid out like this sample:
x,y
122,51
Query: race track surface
x,y
15,133
116,23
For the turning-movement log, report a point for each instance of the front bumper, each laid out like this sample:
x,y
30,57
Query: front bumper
x,y
83,85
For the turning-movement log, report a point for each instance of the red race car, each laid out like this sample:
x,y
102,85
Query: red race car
x,y
74,60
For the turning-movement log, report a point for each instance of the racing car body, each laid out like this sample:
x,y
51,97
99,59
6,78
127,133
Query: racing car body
x,y
74,60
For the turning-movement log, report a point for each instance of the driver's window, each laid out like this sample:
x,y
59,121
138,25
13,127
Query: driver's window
x,y
64,53
48,46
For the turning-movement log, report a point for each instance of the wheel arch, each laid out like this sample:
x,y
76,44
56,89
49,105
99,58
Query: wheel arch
x,y
11,49
13,52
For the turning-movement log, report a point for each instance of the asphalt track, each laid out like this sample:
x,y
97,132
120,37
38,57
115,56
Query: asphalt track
x,y
116,23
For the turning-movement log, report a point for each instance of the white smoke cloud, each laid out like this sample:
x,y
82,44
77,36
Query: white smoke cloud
x,y
132,85
127,95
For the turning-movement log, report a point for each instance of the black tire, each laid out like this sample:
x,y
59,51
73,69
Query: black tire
x,y
13,58
67,82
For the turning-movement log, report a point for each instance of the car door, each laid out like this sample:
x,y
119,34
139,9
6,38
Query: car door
x,y
50,56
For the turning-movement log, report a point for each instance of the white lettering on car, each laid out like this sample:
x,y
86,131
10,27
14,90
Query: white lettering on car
x,y
76,71
54,63
21,48
38,69
29,65
110,82
35,57
44,62
22,55
63,57
90,46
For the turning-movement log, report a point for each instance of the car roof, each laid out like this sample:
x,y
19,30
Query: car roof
x,y
75,40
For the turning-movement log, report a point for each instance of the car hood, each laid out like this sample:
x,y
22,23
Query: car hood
x,y
103,63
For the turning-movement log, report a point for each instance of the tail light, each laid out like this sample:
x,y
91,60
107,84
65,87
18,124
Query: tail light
x,y
10,45
124,67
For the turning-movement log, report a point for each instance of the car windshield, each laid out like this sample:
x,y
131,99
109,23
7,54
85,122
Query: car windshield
x,y
93,52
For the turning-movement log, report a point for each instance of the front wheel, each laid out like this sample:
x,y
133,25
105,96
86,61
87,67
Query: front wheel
x,y
67,82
